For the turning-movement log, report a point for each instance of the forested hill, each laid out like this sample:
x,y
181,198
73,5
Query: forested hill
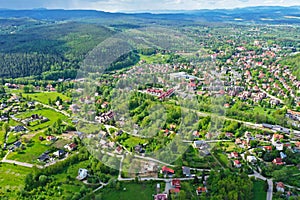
x,y
267,14
55,47
52,43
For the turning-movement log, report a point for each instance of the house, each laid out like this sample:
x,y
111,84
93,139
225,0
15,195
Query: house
x,y
19,128
138,149
278,145
277,161
269,126
186,171
277,137
233,155
3,118
119,149
176,183
18,144
268,148
161,197
251,159
59,153
282,155
82,174
200,144
50,138
237,163
71,147
280,187
44,157
229,135
201,190
167,170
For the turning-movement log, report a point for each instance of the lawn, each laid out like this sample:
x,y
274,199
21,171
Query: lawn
x,y
52,115
132,191
12,179
133,141
44,97
258,190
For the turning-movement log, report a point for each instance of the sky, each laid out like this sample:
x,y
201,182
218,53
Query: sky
x,y
141,5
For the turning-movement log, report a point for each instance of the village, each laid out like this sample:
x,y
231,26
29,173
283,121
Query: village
x,y
231,113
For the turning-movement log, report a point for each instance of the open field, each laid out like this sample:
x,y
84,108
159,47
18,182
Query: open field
x,y
12,179
44,97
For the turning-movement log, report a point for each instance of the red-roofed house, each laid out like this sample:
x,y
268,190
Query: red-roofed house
x,y
277,161
277,136
268,148
237,163
201,190
280,187
233,155
176,183
71,146
50,138
167,170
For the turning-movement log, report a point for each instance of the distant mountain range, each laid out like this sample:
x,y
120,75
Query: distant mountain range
x,y
270,15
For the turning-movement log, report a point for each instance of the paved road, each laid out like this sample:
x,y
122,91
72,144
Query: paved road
x,y
18,163
270,189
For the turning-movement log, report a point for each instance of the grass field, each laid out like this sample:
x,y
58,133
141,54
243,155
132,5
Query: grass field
x,y
133,141
13,137
44,97
50,114
230,146
12,179
258,190
133,191
157,58
222,158
31,153
2,138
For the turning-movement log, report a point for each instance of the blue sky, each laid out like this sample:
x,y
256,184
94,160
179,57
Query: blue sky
x,y
136,5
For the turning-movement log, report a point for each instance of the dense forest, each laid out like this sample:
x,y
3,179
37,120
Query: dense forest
x,y
58,48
